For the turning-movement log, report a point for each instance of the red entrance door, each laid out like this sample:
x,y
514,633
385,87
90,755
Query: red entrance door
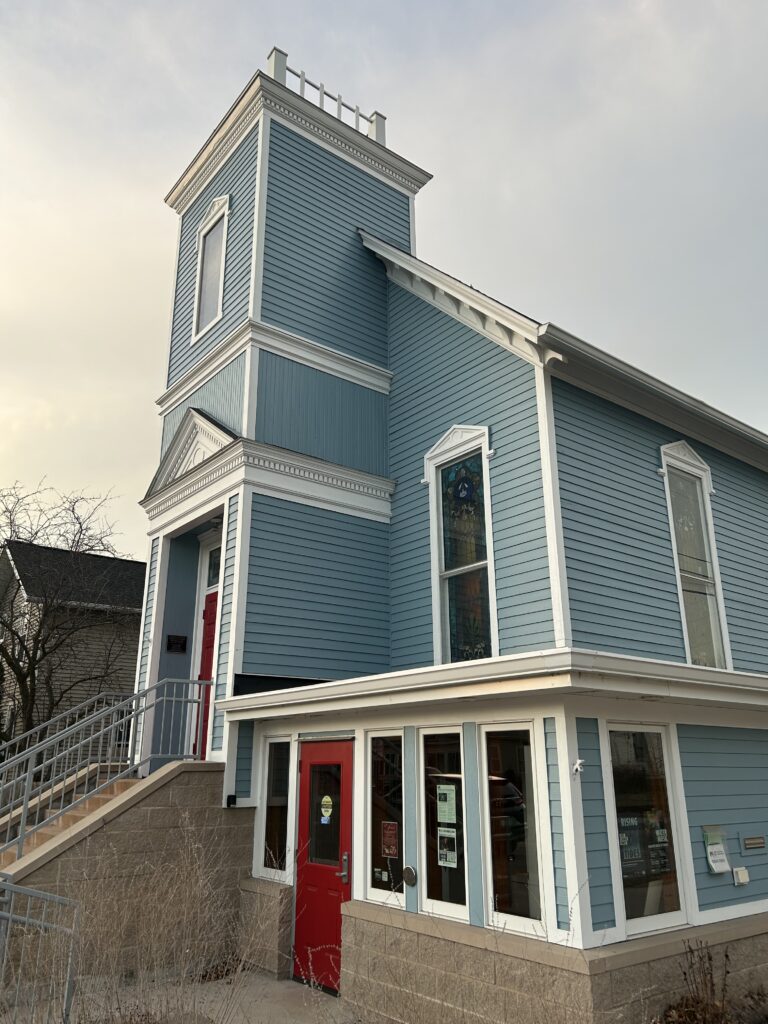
x,y
324,860
206,661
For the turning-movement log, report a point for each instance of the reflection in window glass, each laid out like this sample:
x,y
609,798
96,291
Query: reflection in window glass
x,y
276,816
387,813
514,858
214,567
210,275
469,616
324,813
697,572
444,818
645,830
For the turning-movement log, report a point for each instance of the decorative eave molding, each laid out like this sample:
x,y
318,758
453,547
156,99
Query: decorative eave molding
x,y
282,343
277,471
506,327
263,93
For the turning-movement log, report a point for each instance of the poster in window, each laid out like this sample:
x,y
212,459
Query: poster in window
x,y
389,839
447,855
446,805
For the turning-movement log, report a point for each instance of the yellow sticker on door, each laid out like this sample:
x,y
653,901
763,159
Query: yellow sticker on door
x,y
326,807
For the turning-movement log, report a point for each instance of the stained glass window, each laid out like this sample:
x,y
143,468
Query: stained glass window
x,y
465,559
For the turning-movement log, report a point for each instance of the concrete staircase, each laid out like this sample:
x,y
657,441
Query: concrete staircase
x,y
51,833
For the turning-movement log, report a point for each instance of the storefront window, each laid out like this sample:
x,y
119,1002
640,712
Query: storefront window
x,y
387,813
444,814
276,816
647,850
514,860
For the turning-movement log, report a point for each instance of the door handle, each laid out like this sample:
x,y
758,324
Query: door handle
x,y
344,873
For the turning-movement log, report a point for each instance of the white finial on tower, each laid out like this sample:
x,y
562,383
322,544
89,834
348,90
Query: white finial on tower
x,y
277,65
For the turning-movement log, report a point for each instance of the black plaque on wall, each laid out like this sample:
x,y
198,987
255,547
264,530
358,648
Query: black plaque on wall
x,y
176,644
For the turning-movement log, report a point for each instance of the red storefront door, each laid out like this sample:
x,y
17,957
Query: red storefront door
x,y
324,860
206,661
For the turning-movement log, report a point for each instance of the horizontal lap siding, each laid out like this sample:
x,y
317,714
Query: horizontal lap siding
x,y
621,573
236,179
244,759
149,606
595,825
556,824
318,414
319,280
621,576
226,588
725,778
317,604
444,374
221,397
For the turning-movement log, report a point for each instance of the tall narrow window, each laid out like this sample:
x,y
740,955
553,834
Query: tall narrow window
x,y
276,811
211,245
646,844
696,563
387,813
444,819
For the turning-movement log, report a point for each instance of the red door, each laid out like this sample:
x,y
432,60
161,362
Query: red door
x,y
206,661
324,860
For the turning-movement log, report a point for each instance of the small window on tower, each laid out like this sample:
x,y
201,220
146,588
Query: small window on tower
x,y
211,249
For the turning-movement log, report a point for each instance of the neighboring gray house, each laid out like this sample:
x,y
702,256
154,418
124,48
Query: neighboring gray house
x,y
69,629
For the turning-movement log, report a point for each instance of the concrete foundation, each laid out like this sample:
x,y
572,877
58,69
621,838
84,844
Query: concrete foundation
x,y
266,925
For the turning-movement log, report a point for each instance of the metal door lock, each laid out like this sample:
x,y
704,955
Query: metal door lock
x,y
344,873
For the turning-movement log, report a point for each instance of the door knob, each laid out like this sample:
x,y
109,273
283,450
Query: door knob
x,y
344,873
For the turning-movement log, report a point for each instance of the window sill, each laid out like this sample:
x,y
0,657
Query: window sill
x,y
201,334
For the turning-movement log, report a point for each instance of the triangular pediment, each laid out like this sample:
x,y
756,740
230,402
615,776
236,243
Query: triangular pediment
x,y
196,440
456,440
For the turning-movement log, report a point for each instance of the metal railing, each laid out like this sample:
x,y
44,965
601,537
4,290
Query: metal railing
x,y
165,722
38,931
58,723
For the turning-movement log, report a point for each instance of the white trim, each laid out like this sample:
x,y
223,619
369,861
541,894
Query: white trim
x,y
218,209
509,923
281,343
682,457
303,116
576,871
412,221
175,286
366,891
454,911
558,575
281,473
258,870
208,542
196,439
240,588
259,219
453,445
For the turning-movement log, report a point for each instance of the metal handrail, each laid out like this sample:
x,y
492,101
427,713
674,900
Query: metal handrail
x,y
77,711
40,784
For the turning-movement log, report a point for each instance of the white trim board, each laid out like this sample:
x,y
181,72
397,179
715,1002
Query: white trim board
x,y
217,210
259,219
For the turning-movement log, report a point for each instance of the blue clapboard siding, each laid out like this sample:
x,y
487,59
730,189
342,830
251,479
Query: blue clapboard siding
x,y
725,778
221,397
226,587
318,414
444,374
236,179
319,281
595,825
317,601
244,759
149,608
556,824
621,574
179,605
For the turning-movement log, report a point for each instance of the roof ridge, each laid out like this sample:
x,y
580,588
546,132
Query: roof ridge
x,y
72,551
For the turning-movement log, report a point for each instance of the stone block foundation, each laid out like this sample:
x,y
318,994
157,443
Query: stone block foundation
x,y
266,925
403,968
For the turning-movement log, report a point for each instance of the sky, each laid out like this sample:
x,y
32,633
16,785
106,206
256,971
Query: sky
x,y
600,164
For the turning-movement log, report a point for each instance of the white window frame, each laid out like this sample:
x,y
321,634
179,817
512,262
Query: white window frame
x,y
494,918
677,815
396,899
438,907
456,443
219,208
682,457
258,869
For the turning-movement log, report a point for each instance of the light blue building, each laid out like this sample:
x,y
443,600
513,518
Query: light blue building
x,y
486,609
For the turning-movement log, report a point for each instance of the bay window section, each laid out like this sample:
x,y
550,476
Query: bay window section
x,y
512,833
444,820
276,806
386,810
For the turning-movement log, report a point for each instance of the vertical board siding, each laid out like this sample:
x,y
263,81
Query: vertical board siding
x,y
236,179
317,603
595,825
556,824
411,790
444,374
308,411
319,280
244,759
149,607
725,779
179,605
221,398
621,573
226,588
